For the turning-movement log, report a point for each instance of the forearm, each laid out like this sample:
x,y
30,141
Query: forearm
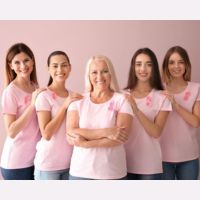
x,y
54,124
89,134
15,127
104,142
150,127
187,116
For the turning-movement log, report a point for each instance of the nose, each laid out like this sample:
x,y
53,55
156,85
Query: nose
x,y
99,76
22,65
143,67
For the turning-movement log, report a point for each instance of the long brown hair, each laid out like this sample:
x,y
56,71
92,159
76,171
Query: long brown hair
x,y
15,49
184,55
155,80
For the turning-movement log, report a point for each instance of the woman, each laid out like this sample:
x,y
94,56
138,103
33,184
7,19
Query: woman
x,y
179,143
19,114
98,126
144,161
53,152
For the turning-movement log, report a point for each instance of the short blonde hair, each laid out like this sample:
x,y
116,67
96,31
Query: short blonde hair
x,y
113,85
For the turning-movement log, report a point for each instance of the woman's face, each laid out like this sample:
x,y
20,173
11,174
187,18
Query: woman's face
x,y
99,75
176,66
143,67
22,64
59,68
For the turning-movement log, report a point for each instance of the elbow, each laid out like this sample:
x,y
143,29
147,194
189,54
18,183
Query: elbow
x,y
46,136
11,133
196,124
156,134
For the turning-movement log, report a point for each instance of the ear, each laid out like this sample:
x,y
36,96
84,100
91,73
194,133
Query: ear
x,y
70,68
10,65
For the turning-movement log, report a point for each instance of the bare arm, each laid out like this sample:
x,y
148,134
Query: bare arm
x,y
49,125
114,133
153,128
123,120
192,118
15,125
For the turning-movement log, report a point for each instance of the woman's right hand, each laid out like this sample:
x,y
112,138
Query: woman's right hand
x,y
35,94
72,97
117,133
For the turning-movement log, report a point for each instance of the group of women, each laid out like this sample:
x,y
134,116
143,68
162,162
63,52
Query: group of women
x,y
146,131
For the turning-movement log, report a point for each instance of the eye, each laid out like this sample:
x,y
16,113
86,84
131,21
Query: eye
x,y
181,62
94,72
64,65
26,60
171,62
149,64
54,66
105,71
137,64
16,62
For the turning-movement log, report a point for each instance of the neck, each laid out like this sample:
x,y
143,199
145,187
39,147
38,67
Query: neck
x,y
143,87
23,81
58,86
101,93
178,82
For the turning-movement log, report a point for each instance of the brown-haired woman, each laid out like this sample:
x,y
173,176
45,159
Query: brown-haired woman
x,y
178,141
19,114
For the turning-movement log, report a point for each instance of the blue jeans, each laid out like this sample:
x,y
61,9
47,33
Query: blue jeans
x,y
51,175
131,176
188,170
81,178
18,174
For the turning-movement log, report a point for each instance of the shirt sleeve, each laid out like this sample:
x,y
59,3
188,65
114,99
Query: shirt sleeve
x,y
125,107
9,102
73,106
42,103
198,95
166,105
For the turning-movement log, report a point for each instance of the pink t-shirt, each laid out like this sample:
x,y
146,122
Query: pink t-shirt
x,y
54,154
99,163
143,151
179,140
19,152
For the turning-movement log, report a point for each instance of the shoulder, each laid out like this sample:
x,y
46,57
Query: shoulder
x,y
9,90
194,84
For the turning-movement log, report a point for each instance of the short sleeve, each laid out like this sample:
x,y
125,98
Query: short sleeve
x,y
126,107
73,106
42,103
166,105
198,93
9,102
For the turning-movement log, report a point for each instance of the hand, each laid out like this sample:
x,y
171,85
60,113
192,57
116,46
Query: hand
x,y
72,97
35,94
130,98
117,133
171,98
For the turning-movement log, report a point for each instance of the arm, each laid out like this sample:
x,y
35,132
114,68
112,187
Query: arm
x,y
123,120
114,133
15,125
192,118
49,125
153,128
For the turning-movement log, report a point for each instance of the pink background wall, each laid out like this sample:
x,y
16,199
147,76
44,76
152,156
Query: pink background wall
x,y
81,39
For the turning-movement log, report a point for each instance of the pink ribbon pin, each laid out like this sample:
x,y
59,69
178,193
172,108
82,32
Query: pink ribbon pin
x,y
148,101
26,99
54,95
111,106
186,95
